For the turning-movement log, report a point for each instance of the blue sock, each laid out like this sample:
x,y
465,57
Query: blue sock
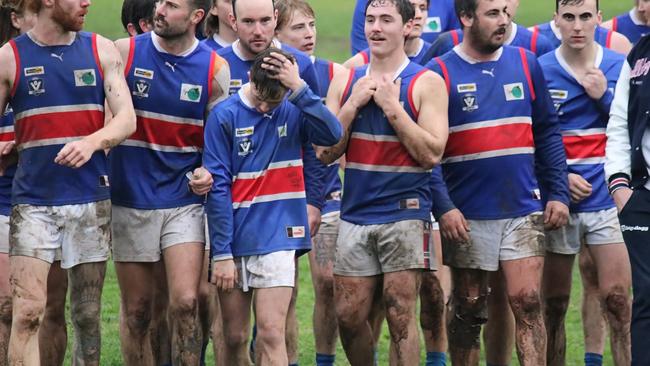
x,y
436,359
203,349
325,360
593,359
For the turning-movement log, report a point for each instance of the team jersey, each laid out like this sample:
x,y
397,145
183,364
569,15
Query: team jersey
x,y
584,121
603,35
383,183
503,132
170,95
418,57
325,73
57,97
6,134
441,18
257,203
519,37
630,26
215,42
239,66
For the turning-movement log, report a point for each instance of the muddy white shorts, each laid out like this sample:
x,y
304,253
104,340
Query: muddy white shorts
x,y
4,234
596,228
80,233
492,241
369,250
276,269
142,235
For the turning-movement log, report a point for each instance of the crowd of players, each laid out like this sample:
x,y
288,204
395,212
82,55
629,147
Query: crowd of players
x,y
206,169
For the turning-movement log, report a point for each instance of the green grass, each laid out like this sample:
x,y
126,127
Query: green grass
x,y
334,18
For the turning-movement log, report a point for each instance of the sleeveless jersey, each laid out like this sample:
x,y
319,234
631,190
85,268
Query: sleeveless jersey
x,y
441,17
6,134
583,122
170,96
630,26
418,57
603,35
57,97
383,183
497,110
325,73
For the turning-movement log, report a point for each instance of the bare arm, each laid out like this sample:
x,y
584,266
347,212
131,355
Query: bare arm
x,y
7,74
354,61
620,43
220,82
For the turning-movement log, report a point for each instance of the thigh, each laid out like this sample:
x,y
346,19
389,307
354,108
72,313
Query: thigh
x,y
57,288
235,310
136,234
271,306
400,291
183,225
183,264
613,265
523,276
86,282
470,283
86,233
137,282
353,296
405,245
558,274
481,252
28,278
356,253
5,290
33,232
323,253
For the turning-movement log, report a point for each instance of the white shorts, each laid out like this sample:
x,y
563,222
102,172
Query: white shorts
x,y
369,250
4,234
142,235
276,269
492,241
75,233
595,228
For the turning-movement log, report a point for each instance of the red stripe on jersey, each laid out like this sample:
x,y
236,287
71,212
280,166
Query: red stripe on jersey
x,y
486,139
579,147
164,133
524,62
330,69
533,41
410,94
274,181
213,56
454,37
98,61
390,153
7,136
608,42
129,60
365,56
445,73
58,125
17,73
614,25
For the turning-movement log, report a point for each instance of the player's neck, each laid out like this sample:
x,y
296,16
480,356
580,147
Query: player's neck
x,y
49,33
388,63
177,46
580,59
227,33
412,46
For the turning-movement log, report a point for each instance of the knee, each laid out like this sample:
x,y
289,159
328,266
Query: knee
x,y
235,337
138,316
556,307
324,289
184,306
28,316
526,305
86,315
5,310
271,335
617,304
470,313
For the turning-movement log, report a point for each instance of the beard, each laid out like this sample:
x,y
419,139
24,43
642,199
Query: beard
x,y
484,43
68,22
167,31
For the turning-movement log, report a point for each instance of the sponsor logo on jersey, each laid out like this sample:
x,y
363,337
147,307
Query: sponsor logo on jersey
x,y
143,73
34,70
85,77
191,93
559,94
36,86
296,232
244,131
514,91
466,88
141,88
245,147
469,103
235,84
433,25
409,204
282,130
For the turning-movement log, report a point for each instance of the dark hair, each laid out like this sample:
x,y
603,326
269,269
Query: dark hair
x,y
286,9
266,87
7,29
134,10
465,8
572,2
404,8
211,24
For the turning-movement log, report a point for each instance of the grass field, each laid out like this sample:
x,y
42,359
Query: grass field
x,y
333,25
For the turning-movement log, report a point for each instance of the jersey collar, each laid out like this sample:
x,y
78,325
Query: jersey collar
x,y
470,60
399,70
563,63
156,43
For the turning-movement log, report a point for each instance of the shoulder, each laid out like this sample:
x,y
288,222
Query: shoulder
x,y
225,52
547,60
108,52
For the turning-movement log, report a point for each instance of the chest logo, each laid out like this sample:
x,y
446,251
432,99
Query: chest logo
x,y
244,131
514,91
36,86
141,89
469,103
434,25
191,93
466,88
35,70
245,147
143,73
282,130
85,77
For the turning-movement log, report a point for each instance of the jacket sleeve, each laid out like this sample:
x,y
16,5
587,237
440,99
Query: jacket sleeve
x,y
618,161
217,160
550,158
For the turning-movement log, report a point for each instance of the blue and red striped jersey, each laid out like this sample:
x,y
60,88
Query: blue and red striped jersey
x,y
630,26
6,134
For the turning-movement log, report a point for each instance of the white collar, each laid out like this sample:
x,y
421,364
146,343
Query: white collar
x,y
220,41
156,43
565,65
470,60
399,70
513,34
419,48
555,30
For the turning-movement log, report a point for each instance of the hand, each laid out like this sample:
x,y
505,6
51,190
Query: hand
x,y
75,154
621,196
201,182
313,218
224,274
595,83
8,155
286,70
579,187
362,91
556,215
387,94
454,227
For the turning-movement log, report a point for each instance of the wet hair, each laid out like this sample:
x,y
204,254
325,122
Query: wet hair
x,y
572,2
7,29
134,10
266,87
211,24
404,8
287,8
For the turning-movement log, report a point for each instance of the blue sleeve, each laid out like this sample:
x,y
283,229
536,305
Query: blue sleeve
x,y
550,158
319,125
358,40
440,46
314,172
309,75
217,154
605,102
441,201
453,21
544,46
